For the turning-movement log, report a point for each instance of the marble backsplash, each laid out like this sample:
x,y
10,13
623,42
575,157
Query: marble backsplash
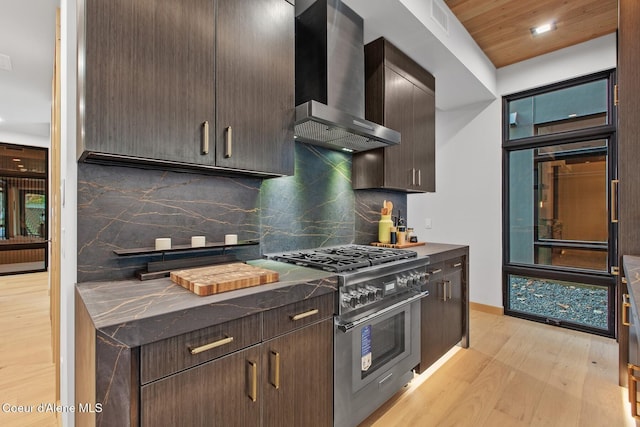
x,y
125,208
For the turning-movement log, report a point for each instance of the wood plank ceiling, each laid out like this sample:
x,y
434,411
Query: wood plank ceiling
x,y
502,27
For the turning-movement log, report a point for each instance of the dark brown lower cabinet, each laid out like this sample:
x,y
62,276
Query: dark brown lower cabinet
x,y
217,393
442,312
285,379
289,379
298,377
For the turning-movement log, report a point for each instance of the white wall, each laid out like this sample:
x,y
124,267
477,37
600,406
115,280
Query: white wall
x,y
467,205
69,206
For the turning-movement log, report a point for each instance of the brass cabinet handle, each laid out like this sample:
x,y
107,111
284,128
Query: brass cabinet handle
x,y
228,142
450,289
253,387
305,314
223,341
275,369
413,176
633,389
434,271
614,200
205,137
419,177
626,305
444,290
457,264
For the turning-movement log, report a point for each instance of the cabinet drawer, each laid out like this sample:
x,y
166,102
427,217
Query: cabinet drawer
x,y
284,319
454,264
171,355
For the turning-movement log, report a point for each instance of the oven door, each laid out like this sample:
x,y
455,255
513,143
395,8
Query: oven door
x,y
373,359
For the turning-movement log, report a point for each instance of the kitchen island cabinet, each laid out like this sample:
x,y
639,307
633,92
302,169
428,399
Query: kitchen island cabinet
x,y
134,345
400,95
445,311
628,157
631,320
158,80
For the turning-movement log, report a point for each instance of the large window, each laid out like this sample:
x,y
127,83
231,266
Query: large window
x,y
559,148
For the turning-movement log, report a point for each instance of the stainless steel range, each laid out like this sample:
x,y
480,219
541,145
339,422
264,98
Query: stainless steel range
x,y
377,322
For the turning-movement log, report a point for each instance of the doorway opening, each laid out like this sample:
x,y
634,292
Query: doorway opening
x,y
23,209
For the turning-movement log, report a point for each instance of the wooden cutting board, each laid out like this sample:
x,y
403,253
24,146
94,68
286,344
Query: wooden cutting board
x,y
395,246
222,278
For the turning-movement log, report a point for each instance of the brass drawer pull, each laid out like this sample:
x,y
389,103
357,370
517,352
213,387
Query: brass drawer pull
x,y
228,143
435,271
253,387
626,305
205,137
305,314
209,346
444,290
275,370
457,264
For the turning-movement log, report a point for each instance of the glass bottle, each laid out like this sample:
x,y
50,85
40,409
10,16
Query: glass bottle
x,y
384,229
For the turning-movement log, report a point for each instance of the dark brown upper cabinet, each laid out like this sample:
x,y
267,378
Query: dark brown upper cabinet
x,y
203,85
399,94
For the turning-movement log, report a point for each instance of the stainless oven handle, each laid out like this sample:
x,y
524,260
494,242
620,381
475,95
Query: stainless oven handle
x,y
345,327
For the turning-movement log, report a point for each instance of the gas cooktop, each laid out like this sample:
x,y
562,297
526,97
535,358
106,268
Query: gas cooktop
x,y
344,258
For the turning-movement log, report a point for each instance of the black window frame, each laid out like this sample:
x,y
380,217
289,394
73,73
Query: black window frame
x,y
608,132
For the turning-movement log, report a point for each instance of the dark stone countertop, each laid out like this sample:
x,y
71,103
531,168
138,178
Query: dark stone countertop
x,y
136,312
440,251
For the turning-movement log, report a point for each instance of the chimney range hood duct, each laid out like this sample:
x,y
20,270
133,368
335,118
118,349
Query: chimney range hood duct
x,y
330,80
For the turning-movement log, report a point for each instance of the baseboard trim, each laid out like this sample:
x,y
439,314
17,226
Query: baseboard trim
x,y
486,308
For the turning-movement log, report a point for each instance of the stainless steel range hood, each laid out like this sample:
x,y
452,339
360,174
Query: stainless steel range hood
x,y
330,80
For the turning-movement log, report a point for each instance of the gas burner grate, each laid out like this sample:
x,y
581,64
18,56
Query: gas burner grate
x,y
344,258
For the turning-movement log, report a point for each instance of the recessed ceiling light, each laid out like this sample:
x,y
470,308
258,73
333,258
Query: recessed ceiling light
x,y
545,28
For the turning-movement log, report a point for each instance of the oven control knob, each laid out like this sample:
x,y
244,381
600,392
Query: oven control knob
x,y
353,301
379,294
371,294
363,298
402,283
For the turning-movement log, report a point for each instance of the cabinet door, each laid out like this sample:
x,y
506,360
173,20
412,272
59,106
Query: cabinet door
x,y
255,85
452,316
216,393
424,146
298,378
431,348
398,115
149,78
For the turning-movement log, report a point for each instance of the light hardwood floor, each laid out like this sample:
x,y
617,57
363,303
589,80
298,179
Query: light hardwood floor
x,y
516,373
26,366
